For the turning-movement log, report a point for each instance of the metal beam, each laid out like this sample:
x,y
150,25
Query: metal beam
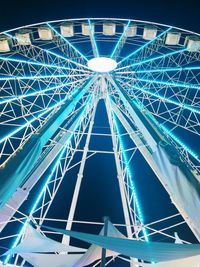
x,y
66,239
153,59
67,41
145,45
93,41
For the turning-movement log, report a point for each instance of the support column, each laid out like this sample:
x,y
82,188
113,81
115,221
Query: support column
x,y
120,176
66,239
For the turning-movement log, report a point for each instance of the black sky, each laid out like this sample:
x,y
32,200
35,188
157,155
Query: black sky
x,y
181,13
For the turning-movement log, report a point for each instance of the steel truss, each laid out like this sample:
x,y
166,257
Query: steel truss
x,y
151,97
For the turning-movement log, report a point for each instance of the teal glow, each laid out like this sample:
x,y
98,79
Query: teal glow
x,y
185,106
12,78
9,100
93,38
172,135
52,53
65,40
184,85
120,39
181,143
29,62
57,163
36,118
145,45
168,69
130,177
153,58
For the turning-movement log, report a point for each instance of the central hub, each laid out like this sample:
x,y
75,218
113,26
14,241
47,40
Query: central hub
x,y
102,64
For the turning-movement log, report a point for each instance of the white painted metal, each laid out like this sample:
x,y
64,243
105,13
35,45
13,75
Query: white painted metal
x,y
66,239
56,63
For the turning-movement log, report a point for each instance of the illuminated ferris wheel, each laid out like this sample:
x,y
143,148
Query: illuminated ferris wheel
x,y
55,77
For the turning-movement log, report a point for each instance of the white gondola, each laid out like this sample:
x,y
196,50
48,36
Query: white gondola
x,y
67,29
45,33
86,29
149,32
109,28
24,37
192,43
131,31
5,45
172,38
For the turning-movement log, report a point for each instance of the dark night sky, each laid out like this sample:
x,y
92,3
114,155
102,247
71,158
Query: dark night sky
x,y
181,13
184,14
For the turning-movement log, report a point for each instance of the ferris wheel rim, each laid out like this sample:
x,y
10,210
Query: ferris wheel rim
x,y
109,19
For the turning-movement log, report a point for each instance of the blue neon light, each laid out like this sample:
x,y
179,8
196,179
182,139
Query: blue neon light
x,y
131,180
185,106
120,39
173,136
152,59
167,69
70,44
32,63
185,85
183,145
54,54
9,100
35,118
57,163
93,38
145,45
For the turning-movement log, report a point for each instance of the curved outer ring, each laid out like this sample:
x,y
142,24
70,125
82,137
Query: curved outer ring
x,y
119,19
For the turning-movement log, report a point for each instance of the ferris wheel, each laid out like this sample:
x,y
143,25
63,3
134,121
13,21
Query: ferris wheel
x,y
75,92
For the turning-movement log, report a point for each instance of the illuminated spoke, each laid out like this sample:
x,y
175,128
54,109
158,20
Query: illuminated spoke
x,y
93,41
153,59
145,45
177,69
174,84
168,100
12,78
19,97
53,54
120,42
67,41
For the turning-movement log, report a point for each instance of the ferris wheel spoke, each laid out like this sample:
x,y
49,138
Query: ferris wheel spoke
x,y
180,51
68,42
29,62
40,77
47,52
176,69
41,91
62,163
181,115
37,117
165,83
145,45
120,42
93,40
129,174
173,84
165,99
